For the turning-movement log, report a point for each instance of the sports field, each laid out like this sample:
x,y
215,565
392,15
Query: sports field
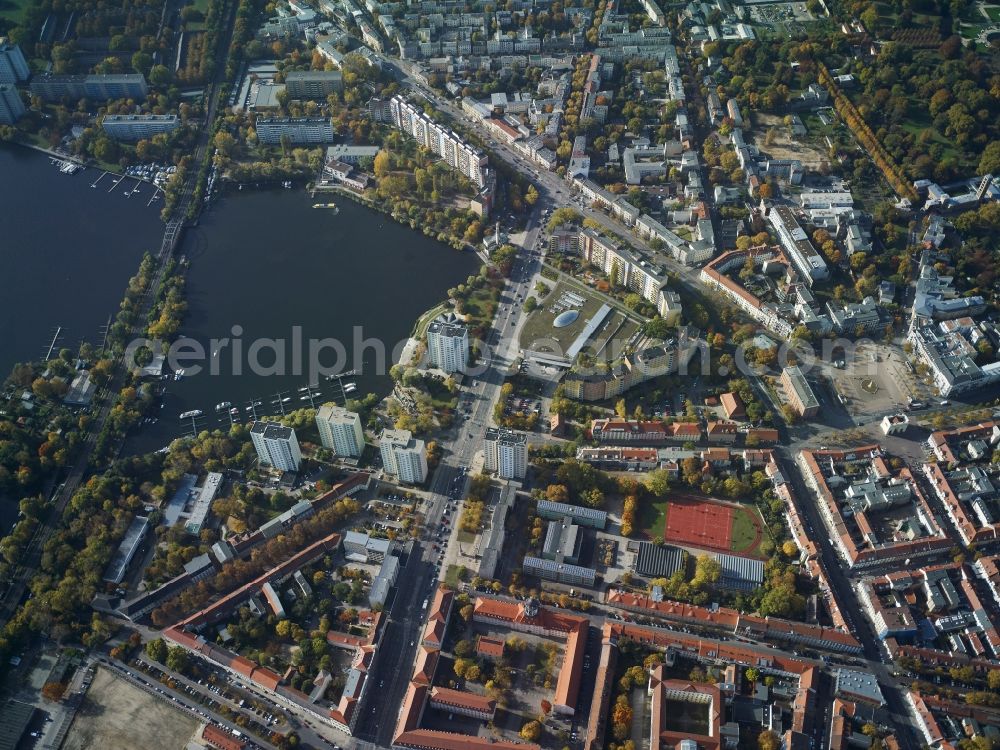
x,y
709,524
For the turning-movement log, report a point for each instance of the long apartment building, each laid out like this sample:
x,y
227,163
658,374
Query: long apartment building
x,y
98,87
313,84
297,129
621,265
795,241
714,275
446,143
137,127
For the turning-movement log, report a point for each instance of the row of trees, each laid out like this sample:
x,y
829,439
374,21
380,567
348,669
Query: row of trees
x,y
863,132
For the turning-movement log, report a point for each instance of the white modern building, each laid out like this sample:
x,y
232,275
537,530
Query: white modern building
x,y
506,453
13,67
451,147
137,127
793,238
297,129
448,344
403,456
276,445
340,430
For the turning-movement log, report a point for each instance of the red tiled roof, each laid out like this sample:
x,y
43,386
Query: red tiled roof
x,y
492,647
732,405
430,739
266,678
221,740
462,699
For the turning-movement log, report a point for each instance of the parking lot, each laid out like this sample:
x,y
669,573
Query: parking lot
x,y
115,714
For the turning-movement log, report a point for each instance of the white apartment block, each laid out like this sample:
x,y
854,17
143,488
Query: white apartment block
x,y
298,129
403,457
794,240
506,453
448,344
137,127
447,144
621,265
276,445
340,430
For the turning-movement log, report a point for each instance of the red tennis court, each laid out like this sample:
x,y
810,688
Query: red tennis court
x,y
699,523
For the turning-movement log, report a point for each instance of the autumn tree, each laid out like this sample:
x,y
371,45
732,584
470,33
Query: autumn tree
x,y
53,691
531,731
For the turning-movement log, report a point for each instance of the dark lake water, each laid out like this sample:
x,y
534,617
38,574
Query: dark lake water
x,y
283,280
67,252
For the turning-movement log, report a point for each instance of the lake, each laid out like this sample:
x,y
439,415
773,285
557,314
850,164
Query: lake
x,y
291,293
67,252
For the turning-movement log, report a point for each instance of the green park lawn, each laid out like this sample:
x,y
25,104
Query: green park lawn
x,y
747,525
652,520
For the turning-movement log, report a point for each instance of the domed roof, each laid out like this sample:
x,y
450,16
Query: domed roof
x,y
564,318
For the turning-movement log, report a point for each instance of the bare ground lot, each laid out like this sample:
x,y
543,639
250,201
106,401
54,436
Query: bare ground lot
x,y
785,146
115,715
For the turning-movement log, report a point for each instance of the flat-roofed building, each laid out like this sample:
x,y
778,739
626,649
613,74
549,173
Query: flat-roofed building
x,y
506,453
799,393
130,543
137,127
98,87
563,541
403,456
270,130
277,446
313,84
561,572
340,430
452,148
795,241
592,517
448,344
203,502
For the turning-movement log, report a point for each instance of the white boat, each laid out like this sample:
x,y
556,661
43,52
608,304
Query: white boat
x,y
350,387
179,374
223,406
234,411
286,399
191,414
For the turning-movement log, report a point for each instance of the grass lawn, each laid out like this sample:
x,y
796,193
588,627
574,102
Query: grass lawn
x,y
652,520
747,526
539,326
481,306
420,328
451,577
993,12
466,537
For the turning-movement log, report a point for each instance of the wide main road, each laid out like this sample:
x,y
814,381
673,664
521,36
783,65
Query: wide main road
x,y
426,566
32,556
847,597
